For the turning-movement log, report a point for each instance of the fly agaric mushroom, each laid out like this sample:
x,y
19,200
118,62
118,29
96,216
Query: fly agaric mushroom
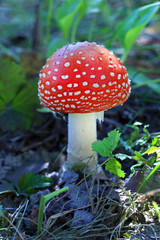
x,y
83,79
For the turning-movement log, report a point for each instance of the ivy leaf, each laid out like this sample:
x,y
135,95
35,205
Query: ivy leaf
x,y
107,145
28,182
113,166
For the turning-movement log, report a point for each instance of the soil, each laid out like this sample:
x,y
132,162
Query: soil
x,y
96,207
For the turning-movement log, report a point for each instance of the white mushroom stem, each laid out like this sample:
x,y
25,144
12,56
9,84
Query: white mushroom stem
x,y
82,132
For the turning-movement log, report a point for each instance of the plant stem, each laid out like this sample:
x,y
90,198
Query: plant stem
x,y
44,200
74,29
35,30
128,7
146,83
49,17
124,56
90,32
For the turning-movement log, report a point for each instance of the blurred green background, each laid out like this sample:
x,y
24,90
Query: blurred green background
x,y
32,30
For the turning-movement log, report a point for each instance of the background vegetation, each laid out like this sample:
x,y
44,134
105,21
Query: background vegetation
x,y
32,30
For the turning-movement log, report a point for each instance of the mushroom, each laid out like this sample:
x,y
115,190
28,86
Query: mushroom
x,y
83,79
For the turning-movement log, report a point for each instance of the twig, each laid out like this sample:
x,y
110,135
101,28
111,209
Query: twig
x,y
147,195
37,144
25,208
20,235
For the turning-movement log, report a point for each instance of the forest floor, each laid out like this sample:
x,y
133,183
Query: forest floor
x,y
97,207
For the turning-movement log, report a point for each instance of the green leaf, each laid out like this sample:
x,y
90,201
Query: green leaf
x,y
129,29
156,207
148,176
66,13
55,44
26,100
141,80
154,141
114,166
93,6
28,182
11,80
2,211
145,137
138,157
71,12
44,110
134,24
134,135
107,145
18,97
122,156
101,148
152,150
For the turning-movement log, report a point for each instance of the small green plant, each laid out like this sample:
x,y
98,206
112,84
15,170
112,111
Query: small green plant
x,y
105,148
136,145
27,185
29,182
43,201
153,150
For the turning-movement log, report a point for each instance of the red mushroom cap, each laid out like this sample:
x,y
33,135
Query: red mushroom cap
x,y
81,78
